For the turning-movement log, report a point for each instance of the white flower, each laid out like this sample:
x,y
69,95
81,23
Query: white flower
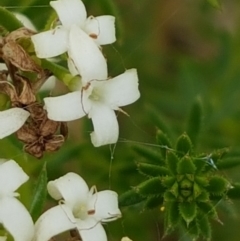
x,y
25,21
82,209
11,120
98,96
72,12
13,215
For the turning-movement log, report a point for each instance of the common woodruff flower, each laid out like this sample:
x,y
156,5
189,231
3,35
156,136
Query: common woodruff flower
x,y
79,208
97,95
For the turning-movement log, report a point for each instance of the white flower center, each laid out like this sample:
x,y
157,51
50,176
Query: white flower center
x,y
81,212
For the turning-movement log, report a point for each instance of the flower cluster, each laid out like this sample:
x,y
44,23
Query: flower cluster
x,y
97,95
79,208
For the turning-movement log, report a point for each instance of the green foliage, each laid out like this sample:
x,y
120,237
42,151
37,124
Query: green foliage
x,y
8,20
39,194
195,120
184,145
185,185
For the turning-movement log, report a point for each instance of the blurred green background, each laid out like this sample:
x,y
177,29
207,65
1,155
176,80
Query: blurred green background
x,y
182,50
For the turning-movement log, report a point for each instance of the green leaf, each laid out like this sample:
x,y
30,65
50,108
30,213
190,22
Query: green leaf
x,y
130,198
184,145
8,20
151,187
150,154
234,192
152,170
186,166
204,226
153,202
200,163
188,211
227,163
173,213
215,4
168,181
217,185
164,142
39,194
169,197
172,162
195,120
208,209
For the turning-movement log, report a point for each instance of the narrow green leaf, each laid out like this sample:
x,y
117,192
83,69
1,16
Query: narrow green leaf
x,y
8,20
152,170
184,145
130,198
173,213
217,185
200,163
169,197
186,166
195,120
208,209
153,202
159,121
164,142
151,187
227,163
192,230
188,211
172,162
204,226
39,194
168,181
151,155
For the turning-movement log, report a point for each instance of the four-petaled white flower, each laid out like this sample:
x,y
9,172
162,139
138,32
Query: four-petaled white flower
x,y
73,13
98,96
80,209
13,215
12,120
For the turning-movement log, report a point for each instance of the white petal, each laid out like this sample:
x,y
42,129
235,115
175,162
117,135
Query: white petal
x,y
53,222
50,43
70,187
105,205
102,29
12,177
11,120
86,56
66,107
105,125
25,21
121,90
70,12
49,84
90,230
72,68
16,219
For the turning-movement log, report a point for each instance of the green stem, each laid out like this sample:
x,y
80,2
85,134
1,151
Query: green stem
x,y
8,20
